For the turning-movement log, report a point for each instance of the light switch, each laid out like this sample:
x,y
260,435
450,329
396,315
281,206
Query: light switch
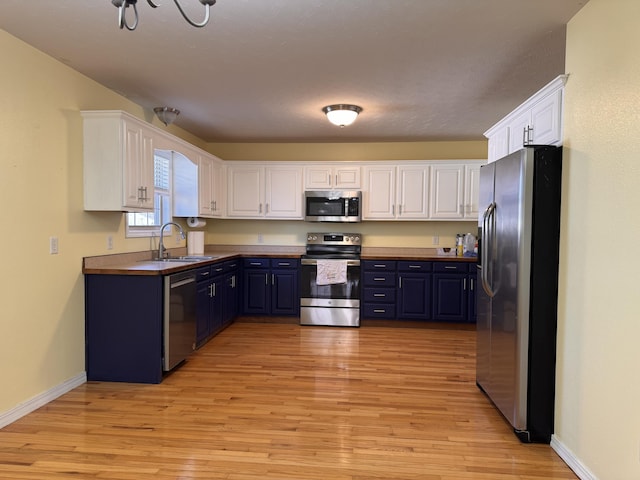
x,y
53,245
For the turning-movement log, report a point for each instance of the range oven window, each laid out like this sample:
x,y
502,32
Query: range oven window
x,y
344,291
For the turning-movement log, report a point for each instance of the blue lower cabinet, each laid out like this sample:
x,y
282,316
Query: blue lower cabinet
x,y
270,286
123,316
414,296
450,292
472,284
256,298
419,290
217,299
379,289
414,290
230,293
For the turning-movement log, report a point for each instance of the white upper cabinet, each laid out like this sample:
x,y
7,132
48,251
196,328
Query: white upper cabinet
x,y
412,192
447,184
245,191
396,192
538,121
379,195
454,190
197,184
329,177
254,191
210,187
283,192
118,162
472,190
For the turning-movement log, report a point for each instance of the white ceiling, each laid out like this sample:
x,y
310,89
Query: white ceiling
x,y
262,70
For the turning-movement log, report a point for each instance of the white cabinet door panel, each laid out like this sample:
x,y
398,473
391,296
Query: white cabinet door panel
x,y
283,193
546,120
446,191
413,193
471,191
379,194
245,192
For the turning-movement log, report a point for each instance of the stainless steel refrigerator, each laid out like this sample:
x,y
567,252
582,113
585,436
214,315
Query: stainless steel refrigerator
x,y
519,228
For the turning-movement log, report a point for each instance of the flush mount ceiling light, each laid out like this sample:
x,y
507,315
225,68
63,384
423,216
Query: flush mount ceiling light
x,y
342,114
166,115
124,4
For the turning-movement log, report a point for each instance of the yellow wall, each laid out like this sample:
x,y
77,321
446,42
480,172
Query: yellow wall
x,y
374,234
42,321
598,385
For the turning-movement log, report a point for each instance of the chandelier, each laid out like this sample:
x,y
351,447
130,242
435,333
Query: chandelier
x,y
124,4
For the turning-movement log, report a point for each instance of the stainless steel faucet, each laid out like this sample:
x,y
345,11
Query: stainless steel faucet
x,y
161,249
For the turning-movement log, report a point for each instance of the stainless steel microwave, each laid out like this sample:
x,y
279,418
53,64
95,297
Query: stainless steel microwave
x,y
332,206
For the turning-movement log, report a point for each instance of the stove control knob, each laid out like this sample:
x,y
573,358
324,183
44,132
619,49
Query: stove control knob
x,y
357,238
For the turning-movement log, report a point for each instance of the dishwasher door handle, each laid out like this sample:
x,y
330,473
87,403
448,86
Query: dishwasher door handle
x,y
180,283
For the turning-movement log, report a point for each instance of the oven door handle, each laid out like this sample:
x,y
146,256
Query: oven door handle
x,y
314,261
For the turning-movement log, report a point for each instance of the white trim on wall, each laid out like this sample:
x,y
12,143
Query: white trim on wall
x,y
40,400
571,460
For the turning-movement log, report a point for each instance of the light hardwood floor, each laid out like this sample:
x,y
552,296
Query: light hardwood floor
x,y
280,401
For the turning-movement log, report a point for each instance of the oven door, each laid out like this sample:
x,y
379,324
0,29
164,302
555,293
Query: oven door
x,y
334,295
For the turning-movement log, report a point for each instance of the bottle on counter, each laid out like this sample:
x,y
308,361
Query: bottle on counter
x,y
459,245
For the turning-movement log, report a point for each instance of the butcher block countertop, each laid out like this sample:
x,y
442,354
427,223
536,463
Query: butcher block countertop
x,y
142,263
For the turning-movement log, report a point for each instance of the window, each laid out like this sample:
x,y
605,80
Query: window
x,y
146,224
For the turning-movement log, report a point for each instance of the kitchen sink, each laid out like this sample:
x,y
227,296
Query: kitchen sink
x,y
194,258
183,259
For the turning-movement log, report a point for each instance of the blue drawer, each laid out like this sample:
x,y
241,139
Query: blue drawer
x,y
450,267
217,269
380,295
412,266
380,279
256,263
284,263
379,265
203,273
379,310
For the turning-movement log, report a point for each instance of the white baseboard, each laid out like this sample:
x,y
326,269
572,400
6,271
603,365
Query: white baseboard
x,y
571,460
39,400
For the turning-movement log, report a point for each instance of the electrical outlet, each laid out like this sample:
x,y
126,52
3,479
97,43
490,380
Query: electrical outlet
x,y
53,245
260,238
109,242
435,240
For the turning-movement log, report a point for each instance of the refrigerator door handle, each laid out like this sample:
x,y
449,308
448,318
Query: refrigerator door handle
x,y
487,219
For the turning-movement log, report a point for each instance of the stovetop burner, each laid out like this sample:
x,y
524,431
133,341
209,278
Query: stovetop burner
x,y
333,245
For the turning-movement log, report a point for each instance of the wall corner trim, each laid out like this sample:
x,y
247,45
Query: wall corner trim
x,y
571,460
40,400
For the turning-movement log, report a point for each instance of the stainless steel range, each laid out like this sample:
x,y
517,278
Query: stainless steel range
x,y
330,280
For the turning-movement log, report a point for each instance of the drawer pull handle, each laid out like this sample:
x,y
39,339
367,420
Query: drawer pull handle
x,y
451,268
256,264
378,279
379,266
283,264
415,266
379,310
379,294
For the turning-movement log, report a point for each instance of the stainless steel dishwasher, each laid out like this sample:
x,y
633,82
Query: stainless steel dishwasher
x,y
179,330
